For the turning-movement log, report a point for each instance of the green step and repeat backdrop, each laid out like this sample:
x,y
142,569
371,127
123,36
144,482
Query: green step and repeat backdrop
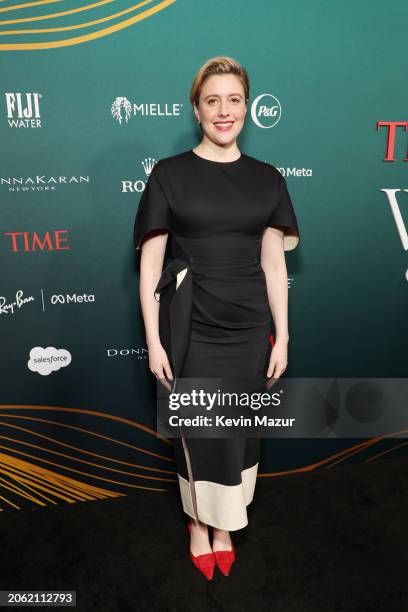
x,y
92,96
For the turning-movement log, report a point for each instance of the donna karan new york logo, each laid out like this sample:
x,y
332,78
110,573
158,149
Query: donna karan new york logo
x,y
40,182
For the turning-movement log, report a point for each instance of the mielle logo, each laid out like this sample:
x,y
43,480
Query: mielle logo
x,y
123,109
28,242
23,110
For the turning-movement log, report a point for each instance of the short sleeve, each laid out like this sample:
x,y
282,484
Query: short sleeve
x,y
153,212
284,216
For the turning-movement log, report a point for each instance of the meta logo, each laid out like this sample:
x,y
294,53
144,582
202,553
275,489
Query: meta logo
x,y
391,137
28,242
23,110
266,111
72,298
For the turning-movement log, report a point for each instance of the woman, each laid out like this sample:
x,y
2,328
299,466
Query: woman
x,y
208,314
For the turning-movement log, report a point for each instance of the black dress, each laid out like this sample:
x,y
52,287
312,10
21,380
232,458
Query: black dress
x,y
215,318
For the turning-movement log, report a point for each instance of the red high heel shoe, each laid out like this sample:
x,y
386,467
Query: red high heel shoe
x,y
224,559
205,563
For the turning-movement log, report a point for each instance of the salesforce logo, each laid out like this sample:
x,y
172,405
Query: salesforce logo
x,y
266,111
44,361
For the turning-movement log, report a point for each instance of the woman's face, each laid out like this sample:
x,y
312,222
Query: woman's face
x,y
222,108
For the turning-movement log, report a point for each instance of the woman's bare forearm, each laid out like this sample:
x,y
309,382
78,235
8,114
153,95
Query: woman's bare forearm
x,y
277,286
150,272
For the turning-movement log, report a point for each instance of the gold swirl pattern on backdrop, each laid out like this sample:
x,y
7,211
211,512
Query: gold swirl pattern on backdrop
x,y
62,468
144,9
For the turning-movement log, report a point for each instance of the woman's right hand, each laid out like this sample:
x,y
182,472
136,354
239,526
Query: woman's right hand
x,y
159,364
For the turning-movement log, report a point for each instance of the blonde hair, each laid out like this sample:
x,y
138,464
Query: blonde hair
x,y
218,65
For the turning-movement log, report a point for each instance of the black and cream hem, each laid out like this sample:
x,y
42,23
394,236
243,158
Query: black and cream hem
x,y
218,505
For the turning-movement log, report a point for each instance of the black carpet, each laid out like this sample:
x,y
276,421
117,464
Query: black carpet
x,y
333,540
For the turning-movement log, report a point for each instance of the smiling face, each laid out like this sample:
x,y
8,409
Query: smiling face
x,y
222,108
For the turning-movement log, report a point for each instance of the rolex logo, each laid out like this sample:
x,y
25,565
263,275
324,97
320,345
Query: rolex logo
x,y
148,164
138,185
116,109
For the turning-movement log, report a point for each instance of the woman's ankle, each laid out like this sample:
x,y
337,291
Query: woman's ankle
x,y
198,525
220,531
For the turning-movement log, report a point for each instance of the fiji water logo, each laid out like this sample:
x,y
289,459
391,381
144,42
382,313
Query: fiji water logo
x,y
23,110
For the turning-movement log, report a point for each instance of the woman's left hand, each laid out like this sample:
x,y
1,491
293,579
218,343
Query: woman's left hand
x,y
278,360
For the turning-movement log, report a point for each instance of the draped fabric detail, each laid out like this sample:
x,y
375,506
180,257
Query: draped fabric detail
x,y
175,292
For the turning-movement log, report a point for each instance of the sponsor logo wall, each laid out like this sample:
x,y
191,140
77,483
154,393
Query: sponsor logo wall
x,y
84,118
